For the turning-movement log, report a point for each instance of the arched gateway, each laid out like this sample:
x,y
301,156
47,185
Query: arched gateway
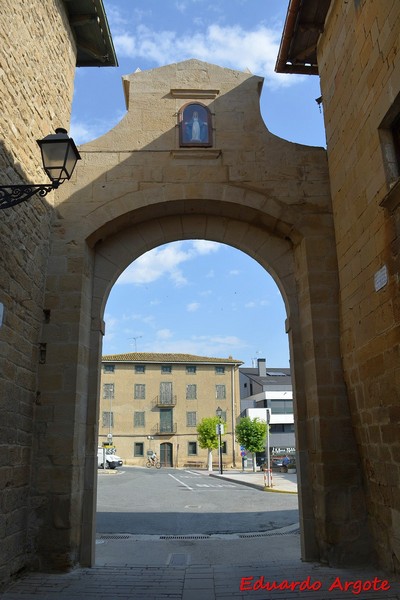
x,y
144,184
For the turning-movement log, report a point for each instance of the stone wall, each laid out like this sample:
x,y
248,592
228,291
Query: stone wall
x,y
360,79
37,64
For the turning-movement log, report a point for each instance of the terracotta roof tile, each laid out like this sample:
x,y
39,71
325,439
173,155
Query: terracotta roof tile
x,y
155,357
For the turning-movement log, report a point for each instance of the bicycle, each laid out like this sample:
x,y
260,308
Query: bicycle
x,y
151,463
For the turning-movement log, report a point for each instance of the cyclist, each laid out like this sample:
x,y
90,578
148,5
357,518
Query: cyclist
x,y
154,458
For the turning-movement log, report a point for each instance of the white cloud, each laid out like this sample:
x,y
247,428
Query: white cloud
x,y
250,305
205,246
164,334
218,346
84,132
193,306
234,272
229,46
165,261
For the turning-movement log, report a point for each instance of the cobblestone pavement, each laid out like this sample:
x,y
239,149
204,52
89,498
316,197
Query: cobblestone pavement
x,y
204,583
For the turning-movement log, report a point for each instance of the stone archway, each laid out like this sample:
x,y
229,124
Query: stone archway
x,y
136,190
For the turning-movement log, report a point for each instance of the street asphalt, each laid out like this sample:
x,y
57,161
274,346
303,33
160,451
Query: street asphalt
x,y
263,566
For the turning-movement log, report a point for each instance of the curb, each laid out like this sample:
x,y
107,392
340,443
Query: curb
x,y
248,484
255,486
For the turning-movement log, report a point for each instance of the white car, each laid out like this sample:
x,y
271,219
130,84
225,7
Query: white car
x,y
112,460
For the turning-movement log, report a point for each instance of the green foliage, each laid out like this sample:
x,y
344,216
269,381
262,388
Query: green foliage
x,y
207,435
251,433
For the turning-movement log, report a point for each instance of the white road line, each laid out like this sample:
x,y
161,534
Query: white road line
x,y
179,481
194,473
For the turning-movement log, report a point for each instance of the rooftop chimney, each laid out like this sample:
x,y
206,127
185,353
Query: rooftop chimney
x,y
262,363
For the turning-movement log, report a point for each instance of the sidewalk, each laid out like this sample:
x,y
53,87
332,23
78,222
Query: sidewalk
x,y
281,482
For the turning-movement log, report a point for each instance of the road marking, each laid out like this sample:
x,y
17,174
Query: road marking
x,y
179,481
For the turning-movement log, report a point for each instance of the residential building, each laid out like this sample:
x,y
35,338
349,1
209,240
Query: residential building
x,y
152,401
261,388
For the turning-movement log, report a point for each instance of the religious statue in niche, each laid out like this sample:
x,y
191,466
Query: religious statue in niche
x,y
195,126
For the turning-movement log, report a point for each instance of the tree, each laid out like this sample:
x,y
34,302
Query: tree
x,y
251,434
208,437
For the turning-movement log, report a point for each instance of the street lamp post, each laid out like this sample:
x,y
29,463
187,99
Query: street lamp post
x,y
59,157
219,415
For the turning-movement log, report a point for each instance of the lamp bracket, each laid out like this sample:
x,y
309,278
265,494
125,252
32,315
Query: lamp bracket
x,y
10,195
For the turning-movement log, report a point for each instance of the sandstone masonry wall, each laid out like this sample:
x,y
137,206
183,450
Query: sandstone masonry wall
x,y
37,64
360,79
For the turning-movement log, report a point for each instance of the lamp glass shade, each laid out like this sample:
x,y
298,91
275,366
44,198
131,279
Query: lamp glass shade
x,y
219,412
59,155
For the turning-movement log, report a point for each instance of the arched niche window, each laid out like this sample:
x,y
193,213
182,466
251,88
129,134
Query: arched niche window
x,y
195,126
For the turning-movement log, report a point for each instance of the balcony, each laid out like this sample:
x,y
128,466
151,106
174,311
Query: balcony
x,y
167,402
164,429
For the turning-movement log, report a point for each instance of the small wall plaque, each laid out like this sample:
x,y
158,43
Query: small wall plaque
x,y
381,278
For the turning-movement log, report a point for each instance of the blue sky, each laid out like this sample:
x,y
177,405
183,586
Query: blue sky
x,y
198,297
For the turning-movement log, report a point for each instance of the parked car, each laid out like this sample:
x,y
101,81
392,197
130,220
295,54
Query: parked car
x,y
112,460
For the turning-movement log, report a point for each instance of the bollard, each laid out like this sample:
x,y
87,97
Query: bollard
x,y
268,478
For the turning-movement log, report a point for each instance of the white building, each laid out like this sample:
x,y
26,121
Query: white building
x,y
261,388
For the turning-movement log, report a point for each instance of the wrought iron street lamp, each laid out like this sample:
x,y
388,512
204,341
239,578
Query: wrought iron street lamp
x,y
59,157
219,415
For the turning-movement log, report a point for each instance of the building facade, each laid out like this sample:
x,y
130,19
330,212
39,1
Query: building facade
x,y
354,48
155,402
261,388
41,45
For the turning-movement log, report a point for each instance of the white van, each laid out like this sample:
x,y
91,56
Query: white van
x,y
112,460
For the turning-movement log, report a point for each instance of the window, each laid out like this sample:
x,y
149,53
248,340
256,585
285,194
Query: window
x,y
282,428
108,418
281,407
140,368
166,369
219,370
276,374
108,368
166,396
191,419
220,392
224,448
108,391
140,391
192,448
396,139
195,126
138,449
138,419
191,369
191,391
389,133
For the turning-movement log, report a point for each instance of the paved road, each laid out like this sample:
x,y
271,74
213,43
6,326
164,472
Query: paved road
x,y
179,502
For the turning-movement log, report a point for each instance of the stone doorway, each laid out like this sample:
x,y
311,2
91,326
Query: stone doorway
x,y
137,189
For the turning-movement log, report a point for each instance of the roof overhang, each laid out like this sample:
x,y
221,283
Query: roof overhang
x,y
89,24
305,20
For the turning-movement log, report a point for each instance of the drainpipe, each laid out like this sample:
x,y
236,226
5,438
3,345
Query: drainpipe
x,y
233,414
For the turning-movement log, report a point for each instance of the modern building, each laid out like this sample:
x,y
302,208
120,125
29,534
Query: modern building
x,y
153,401
261,388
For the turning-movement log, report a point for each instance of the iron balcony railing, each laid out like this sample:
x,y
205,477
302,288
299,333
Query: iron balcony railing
x,y
164,402
165,428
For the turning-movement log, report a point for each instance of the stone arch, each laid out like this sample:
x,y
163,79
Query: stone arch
x,y
262,195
